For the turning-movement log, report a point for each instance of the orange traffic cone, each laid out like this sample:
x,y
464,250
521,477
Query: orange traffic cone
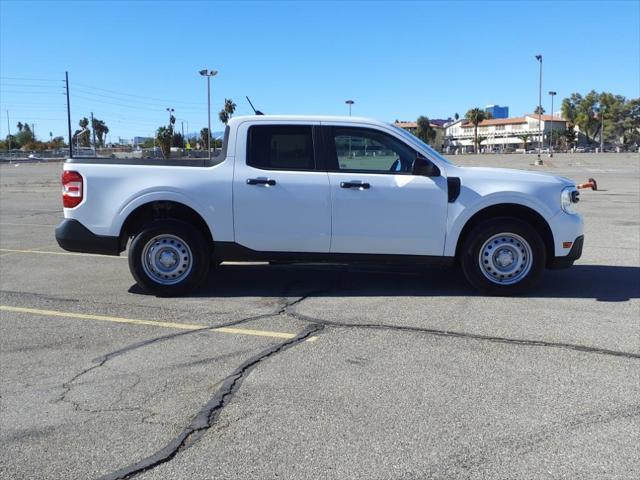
x,y
591,183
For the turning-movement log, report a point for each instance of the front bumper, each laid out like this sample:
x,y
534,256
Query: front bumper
x,y
75,237
574,254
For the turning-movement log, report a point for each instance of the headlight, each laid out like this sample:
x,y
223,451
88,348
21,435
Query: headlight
x,y
568,198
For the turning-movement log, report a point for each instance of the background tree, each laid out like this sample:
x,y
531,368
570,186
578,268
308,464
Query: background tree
x,y
425,131
19,125
204,135
525,139
177,140
621,116
228,110
581,111
569,137
24,137
163,138
101,130
82,136
475,116
456,116
148,143
539,110
480,140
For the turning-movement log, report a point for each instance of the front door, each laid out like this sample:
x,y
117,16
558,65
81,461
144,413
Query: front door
x,y
281,201
378,205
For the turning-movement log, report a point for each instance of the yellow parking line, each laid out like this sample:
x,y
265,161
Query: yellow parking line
x,y
49,252
155,323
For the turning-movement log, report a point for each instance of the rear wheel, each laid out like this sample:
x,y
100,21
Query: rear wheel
x,y
169,258
503,256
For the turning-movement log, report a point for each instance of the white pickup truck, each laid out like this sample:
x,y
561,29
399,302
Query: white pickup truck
x,y
319,189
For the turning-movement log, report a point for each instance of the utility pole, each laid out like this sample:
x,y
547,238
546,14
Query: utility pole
x,y
8,134
539,161
66,76
93,132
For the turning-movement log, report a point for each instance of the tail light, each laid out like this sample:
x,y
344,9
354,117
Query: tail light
x,y
72,193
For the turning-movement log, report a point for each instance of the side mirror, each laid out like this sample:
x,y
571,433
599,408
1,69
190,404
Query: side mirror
x,y
424,168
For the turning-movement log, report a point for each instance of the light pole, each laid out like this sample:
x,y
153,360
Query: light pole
x,y
553,94
170,110
208,74
349,102
602,128
539,161
8,135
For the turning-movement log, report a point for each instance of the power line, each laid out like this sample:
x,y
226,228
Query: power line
x,y
19,92
124,105
140,102
27,85
164,100
32,79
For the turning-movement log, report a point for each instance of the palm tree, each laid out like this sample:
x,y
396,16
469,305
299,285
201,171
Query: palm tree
x,y
19,125
227,112
525,138
480,140
475,116
229,106
163,137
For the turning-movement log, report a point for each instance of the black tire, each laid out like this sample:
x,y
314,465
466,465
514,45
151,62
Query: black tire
x,y
529,256
174,239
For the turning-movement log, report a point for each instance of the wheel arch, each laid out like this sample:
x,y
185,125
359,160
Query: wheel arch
x,y
159,210
510,210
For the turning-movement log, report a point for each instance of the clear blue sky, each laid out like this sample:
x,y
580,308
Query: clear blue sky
x,y
128,61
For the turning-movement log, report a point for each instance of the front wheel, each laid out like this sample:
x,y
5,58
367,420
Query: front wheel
x,y
169,258
503,256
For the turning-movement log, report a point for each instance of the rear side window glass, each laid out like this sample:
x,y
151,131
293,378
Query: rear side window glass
x,y
280,147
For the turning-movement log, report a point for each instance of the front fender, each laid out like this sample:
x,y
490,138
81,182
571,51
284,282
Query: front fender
x,y
470,203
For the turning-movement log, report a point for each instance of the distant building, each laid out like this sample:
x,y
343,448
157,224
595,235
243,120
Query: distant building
x,y
140,140
501,133
438,141
497,111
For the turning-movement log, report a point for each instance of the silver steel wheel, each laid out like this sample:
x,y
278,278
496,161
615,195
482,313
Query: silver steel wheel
x,y
167,259
505,258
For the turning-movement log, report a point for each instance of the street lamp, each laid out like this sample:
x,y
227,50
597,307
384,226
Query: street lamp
x,y
170,110
601,128
171,120
539,161
349,102
553,94
209,74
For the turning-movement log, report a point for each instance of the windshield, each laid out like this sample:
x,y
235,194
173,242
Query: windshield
x,y
416,141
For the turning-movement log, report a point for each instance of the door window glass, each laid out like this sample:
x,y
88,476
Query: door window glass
x,y
280,147
365,150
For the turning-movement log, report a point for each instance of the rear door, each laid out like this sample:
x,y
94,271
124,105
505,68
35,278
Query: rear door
x,y
378,205
281,200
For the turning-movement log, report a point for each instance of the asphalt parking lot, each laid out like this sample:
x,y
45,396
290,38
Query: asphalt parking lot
x,y
307,371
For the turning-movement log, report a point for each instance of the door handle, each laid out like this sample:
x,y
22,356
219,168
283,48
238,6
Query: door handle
x,y
261,181
359,185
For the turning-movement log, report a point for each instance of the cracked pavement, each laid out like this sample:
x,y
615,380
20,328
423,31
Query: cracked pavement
x,y
385,372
